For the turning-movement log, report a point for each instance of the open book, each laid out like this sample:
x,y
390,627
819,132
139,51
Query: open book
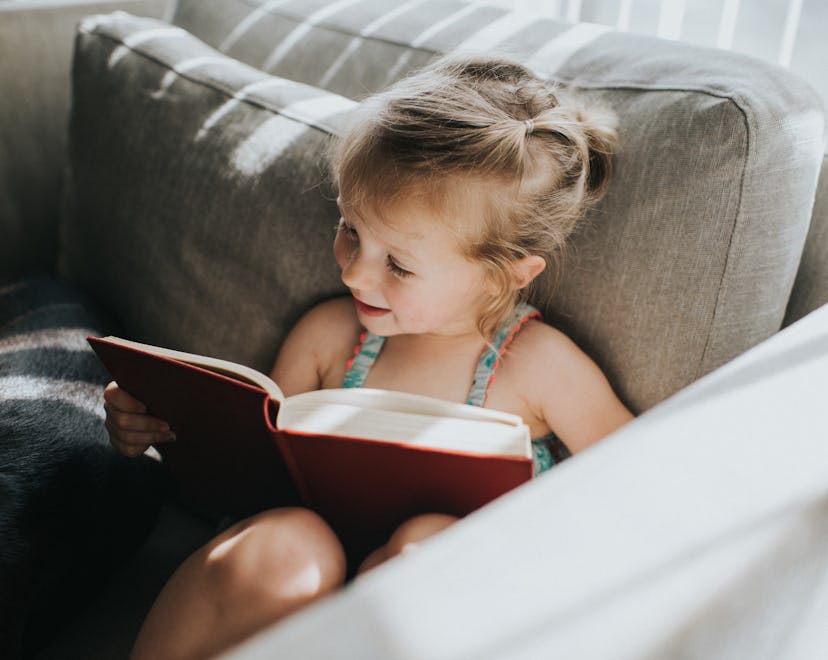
x,y
366,460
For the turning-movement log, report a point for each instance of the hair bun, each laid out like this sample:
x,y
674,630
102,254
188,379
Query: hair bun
x,y
599,127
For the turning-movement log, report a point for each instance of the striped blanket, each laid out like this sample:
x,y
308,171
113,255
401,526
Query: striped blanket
x,y
71,508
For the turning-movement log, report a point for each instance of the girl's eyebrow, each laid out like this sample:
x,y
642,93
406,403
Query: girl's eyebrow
x,y
392,248
405,254
395,249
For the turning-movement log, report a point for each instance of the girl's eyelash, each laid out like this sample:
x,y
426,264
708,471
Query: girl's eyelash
x,y
397,270
346,229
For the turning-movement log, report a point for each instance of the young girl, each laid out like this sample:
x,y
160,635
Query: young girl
x,y
457,190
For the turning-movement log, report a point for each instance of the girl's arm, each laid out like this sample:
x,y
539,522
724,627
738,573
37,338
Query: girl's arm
x,y
575,398
314,353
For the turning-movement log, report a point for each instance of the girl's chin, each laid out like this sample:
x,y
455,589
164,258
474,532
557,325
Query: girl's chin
x,y
383,326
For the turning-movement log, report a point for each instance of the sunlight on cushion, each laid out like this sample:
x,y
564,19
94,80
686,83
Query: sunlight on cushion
x,y
142,37
264,145
226,108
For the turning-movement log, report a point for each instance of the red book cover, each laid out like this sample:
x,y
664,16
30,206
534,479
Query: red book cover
x,y
232,456
224,461
366,488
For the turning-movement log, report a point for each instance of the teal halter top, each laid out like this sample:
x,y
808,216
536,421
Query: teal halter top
x,y
546,451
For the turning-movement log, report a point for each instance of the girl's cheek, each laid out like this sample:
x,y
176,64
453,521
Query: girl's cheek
x,y
342,251
397,298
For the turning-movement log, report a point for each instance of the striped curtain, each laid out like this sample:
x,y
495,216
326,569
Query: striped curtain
x,y
790,33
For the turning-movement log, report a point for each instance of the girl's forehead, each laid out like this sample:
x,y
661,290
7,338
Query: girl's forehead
x,y
457,211
410,230
404,229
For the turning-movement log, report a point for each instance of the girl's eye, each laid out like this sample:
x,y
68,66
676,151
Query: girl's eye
x,y
346,230
398,271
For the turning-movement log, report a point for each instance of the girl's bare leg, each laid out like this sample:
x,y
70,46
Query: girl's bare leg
x,y
407,536
251,575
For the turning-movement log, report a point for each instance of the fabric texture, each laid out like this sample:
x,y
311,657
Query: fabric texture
x,y
810,290
365,354
72,510
198,210
484,375
690,258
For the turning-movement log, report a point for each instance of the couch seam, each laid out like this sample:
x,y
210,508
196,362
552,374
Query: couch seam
x,y
737,222
325,24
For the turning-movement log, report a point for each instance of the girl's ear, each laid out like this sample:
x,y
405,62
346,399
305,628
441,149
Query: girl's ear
x,y
526,269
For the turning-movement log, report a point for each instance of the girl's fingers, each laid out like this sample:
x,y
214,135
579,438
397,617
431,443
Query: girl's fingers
x,y
126,421
133,445
130,420
131,430
131,451
120,437
122,400
132,434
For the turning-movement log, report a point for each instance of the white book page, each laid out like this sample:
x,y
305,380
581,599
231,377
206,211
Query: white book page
x,y
368,398
466,434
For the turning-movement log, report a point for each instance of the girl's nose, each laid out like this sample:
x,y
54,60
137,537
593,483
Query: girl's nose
x,y
356,274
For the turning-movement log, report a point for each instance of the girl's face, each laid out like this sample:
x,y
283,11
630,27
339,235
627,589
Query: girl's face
x,y
406,273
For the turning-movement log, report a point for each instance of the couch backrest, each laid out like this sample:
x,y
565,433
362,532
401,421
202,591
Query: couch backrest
x,y
35,57
196,210
692,255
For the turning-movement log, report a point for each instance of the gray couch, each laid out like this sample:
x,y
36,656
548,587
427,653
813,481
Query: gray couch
x,y
175,177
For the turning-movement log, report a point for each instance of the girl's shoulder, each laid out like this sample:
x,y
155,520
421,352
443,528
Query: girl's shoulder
x,y
315,351
539,340
340,309
331,324
333,328
545,358
562,385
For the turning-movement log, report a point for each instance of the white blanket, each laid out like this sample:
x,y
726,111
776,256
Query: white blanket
x,y
698,531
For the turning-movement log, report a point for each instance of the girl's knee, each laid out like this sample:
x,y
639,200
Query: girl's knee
x,y
416,530
284,556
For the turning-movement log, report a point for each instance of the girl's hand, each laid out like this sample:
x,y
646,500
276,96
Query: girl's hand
x,y
131,429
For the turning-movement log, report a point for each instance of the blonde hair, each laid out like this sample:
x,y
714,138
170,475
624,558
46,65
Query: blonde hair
x,y
490,125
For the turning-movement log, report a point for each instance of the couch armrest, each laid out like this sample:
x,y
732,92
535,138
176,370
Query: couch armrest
x,y
36,40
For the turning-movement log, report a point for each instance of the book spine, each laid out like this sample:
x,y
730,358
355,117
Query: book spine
x,y
280,438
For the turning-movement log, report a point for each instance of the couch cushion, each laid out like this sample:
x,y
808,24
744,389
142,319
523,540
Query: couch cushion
x,y
690,259
196,206
810,289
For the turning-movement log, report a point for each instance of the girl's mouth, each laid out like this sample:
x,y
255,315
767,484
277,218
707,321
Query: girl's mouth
x,y
370,310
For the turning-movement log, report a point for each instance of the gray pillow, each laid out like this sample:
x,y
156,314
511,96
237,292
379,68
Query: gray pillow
x,y
692,255
196,208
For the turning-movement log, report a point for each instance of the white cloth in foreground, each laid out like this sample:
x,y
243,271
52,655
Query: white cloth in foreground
x,y
698,531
